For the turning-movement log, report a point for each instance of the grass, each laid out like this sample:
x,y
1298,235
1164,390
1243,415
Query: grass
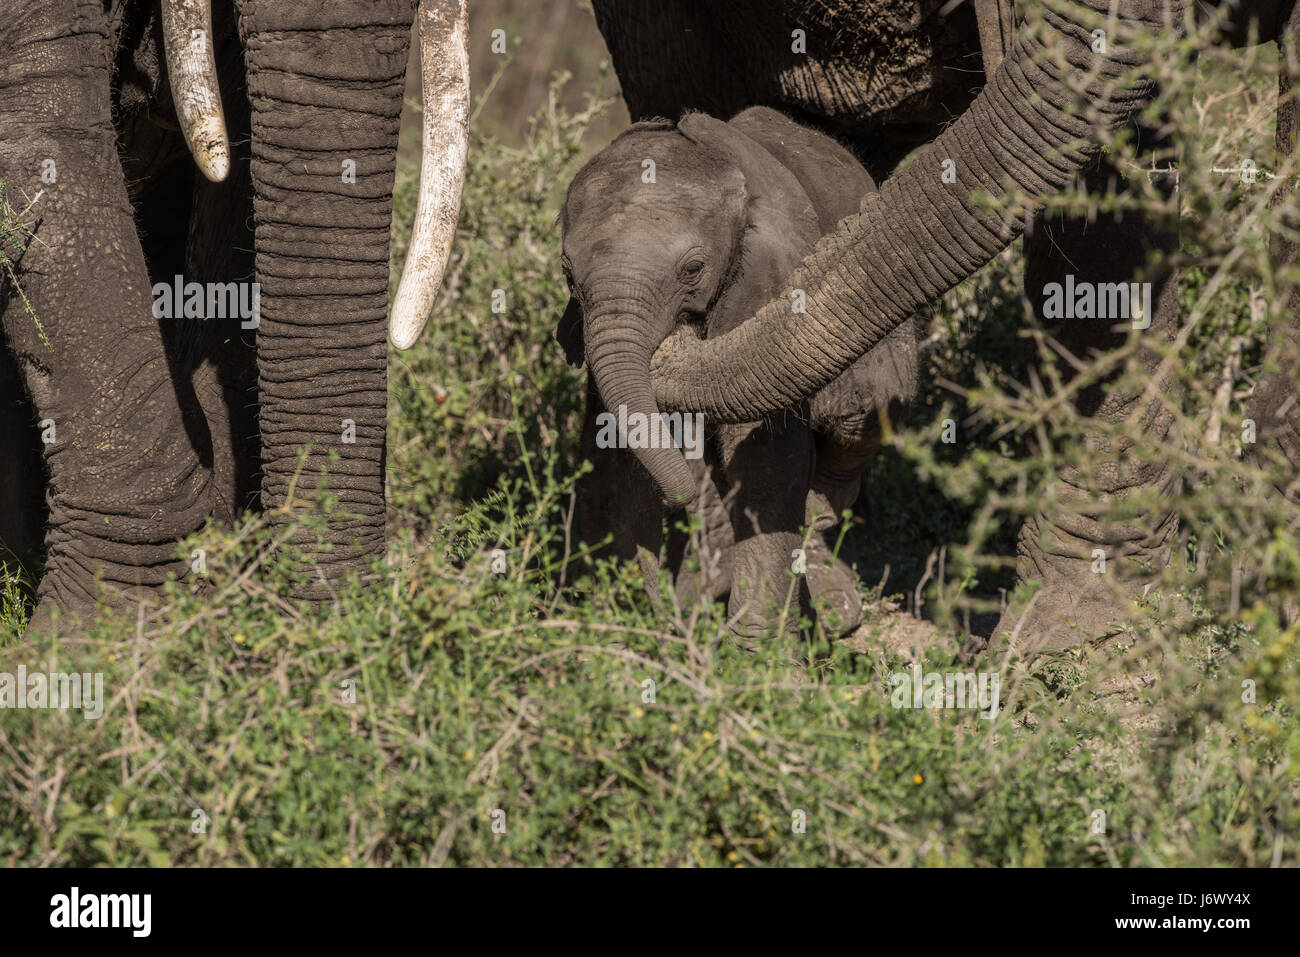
x,y
544,714
465,717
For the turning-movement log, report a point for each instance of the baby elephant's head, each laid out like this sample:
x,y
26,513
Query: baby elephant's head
x,y
657,227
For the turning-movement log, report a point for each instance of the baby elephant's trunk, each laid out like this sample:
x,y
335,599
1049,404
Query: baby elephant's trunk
x,y
619,340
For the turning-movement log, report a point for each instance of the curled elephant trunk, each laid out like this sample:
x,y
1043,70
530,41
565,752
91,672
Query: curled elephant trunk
x,y
619,342
1027,134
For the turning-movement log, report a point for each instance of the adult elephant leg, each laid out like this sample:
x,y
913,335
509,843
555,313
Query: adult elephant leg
x,y
1275,405
125,480
1057,546
325,83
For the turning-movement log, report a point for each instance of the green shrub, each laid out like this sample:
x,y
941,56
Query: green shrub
x,y
606,737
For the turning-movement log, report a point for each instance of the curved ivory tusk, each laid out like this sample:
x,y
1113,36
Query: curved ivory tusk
x,y
444,142
192,71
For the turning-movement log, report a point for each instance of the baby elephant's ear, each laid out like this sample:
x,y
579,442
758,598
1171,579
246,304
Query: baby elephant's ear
x,y
778,204
780,222
568,332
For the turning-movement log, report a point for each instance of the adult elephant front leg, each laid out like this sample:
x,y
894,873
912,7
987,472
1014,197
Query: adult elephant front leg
x,y
1274,406
125,480
1085,519
325,83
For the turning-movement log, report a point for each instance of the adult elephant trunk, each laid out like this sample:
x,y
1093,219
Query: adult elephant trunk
x,y
325,84
621,330
1027,133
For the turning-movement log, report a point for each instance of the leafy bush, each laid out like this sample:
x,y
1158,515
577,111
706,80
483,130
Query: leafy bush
x,y
495,721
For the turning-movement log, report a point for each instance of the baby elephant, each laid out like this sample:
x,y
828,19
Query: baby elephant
x,y
688,229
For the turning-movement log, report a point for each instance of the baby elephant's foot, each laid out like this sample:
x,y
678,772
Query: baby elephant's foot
x,y
766,596
764,611
833,587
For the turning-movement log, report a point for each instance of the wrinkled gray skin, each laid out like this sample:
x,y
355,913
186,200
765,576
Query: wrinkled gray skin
x,y
883,76
163,423
733,208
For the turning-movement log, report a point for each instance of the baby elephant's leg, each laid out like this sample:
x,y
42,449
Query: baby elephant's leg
x,y
701,560
832,582
765,472
842,457
849,420
618,507
845,445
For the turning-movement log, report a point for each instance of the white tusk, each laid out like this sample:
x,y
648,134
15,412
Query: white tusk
x,y
192,71
444,143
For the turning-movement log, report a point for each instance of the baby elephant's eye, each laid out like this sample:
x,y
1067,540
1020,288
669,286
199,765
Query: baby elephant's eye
x,y
691,271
